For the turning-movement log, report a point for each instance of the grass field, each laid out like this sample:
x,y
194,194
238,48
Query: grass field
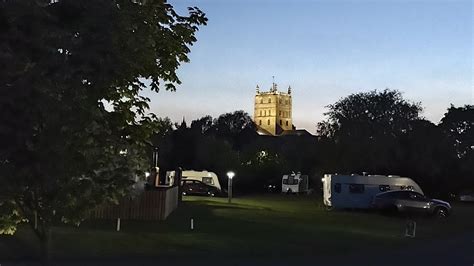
x,y
266,226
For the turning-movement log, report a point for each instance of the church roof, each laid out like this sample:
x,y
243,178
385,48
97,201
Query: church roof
x,y
296,132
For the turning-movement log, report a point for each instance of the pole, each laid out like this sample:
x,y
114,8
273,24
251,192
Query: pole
x,y
118,224
230,190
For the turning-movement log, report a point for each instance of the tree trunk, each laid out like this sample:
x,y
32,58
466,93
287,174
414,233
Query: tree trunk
x,y
45,243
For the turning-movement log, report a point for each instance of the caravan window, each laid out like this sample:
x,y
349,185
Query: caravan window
x,y
207,180
356,188
407,188
337,188
384,188
292,180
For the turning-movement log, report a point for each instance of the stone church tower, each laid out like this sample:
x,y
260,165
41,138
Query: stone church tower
x,y
272,112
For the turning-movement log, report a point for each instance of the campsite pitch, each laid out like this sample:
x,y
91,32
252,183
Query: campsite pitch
x,y
267,227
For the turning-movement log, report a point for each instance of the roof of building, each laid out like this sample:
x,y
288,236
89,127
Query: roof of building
x,y
296,132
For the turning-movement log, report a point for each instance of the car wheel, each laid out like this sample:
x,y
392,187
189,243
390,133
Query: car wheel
x,y
441,213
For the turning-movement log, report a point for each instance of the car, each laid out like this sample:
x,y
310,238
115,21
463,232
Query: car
x,y
466,196
410,202
196,187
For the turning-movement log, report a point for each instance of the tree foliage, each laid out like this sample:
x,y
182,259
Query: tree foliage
x,y
458,125
73,125
366,127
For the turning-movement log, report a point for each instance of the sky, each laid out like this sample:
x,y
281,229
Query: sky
x,y
326,50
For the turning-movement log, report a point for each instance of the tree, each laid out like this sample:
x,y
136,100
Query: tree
x,y
458,125
203,125
366,126
426,155
73,124
236,127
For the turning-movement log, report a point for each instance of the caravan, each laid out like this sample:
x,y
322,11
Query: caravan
x,y
208,178
356,191
294,183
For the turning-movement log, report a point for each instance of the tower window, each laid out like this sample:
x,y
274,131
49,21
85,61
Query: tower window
x,y
269,112
260,112
280,122
265,112
260,122
280,101
261,100
286,123
268,122
280,113
269,100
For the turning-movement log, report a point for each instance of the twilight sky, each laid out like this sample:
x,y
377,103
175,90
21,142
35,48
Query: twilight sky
x,y
326,50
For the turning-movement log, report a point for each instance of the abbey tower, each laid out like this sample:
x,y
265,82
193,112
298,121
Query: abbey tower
x,y
272,112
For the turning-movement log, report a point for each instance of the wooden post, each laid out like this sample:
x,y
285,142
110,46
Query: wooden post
x,y
410,229
118,224
36,220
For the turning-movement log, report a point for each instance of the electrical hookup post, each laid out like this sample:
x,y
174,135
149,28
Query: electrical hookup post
x,y
410,228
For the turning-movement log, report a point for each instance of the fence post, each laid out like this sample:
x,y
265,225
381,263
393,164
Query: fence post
x,y
410,229
118,224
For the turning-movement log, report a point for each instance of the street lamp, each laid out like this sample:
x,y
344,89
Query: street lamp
x,y
230,175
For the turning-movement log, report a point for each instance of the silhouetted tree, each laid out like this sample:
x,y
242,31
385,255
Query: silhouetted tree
x,y
365,128
236,127
426,155
458,126
73,123
203,125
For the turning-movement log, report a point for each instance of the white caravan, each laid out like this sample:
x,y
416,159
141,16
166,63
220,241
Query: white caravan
x,y
356,191
209,178
294,183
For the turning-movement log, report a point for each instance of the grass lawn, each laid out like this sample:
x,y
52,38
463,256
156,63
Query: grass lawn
x,y
265,226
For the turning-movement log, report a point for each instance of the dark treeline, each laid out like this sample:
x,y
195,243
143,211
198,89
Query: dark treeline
x,y
377,132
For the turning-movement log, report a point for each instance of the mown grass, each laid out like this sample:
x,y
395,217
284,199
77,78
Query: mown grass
x,y
267,226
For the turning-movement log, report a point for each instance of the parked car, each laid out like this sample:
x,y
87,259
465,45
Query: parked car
x,y
410,202
466,196
195,187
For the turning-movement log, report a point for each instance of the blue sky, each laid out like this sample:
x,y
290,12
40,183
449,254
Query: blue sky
x,y
325,50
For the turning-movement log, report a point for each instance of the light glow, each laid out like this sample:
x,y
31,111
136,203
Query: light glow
x,y
230,174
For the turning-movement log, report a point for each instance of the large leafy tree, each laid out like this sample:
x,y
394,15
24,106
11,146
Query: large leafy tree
x,y
73,124
366,126
458,126
237,127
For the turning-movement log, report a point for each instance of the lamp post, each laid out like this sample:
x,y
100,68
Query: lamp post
x,y
230,175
